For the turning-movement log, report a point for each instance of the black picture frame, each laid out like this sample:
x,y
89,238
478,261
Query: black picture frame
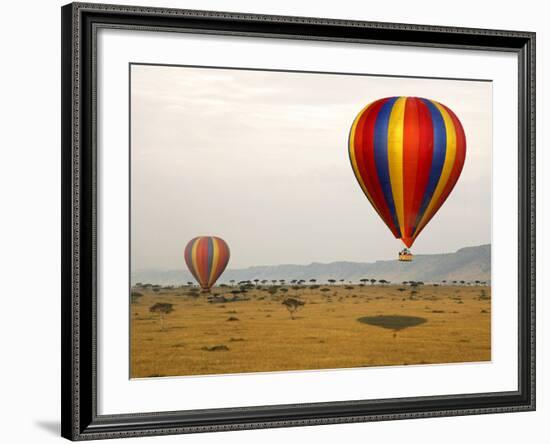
x,y
78,333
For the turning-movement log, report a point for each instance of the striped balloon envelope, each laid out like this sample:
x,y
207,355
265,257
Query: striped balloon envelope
x,y
206,257
407,154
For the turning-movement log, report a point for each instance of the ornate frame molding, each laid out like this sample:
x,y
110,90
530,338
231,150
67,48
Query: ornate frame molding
x,y
79,395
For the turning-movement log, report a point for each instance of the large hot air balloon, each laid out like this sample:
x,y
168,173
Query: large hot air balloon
x,y
206,257
407,154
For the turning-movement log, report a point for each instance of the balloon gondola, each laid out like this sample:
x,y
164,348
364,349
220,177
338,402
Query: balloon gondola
x,y
206,258
405,255
407,154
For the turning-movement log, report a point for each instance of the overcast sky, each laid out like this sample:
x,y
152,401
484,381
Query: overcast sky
x,y
261,159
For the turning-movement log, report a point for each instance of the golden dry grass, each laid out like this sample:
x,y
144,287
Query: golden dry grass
x,y
325,334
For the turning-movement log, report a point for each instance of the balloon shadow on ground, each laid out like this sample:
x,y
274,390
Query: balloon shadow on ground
x,y
393,322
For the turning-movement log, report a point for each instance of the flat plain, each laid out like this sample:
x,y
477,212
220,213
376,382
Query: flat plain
x,y
249,328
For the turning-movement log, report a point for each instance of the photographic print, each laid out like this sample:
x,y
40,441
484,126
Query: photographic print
x,y
290,221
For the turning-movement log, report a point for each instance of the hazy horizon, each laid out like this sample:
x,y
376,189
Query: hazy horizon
x,y
260,159
305,264
468,264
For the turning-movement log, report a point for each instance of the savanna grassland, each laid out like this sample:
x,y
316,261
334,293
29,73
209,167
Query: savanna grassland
x,y
252,329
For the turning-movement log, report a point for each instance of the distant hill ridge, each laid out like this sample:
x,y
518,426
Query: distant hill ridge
x,y
469,264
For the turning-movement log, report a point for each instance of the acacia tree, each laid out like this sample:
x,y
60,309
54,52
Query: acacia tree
x,y
162,308
292,304
372,281
332,281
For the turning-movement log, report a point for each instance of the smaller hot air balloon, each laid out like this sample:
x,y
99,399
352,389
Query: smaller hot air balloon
x,y
206,257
